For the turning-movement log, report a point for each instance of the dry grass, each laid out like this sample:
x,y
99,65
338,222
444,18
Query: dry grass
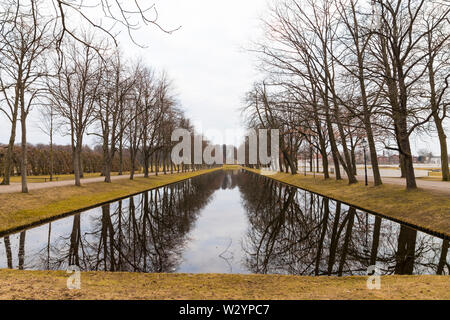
x,y
99,285
420,207
231,167
18,209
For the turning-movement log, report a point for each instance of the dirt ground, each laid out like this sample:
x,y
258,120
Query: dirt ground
x,y
40,285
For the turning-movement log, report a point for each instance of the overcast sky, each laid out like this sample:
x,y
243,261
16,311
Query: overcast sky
x,y
206,59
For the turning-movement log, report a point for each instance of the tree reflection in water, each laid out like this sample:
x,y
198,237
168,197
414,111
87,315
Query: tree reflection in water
x,y
144,233
292,231
286,231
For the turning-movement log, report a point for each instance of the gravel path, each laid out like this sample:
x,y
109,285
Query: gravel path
x,y
435,186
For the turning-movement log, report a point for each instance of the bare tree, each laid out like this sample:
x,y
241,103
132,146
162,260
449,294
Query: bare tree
x,y
437,49
111,107
73,90
47,124
356,44
400,59
24,39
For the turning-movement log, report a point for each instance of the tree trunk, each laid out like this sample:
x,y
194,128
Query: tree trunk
x,y
347,164
408,162
402,166
373,153
24,162
290,163
146,160
444,150
9,152
347,239
334,149
353,158
326,208
375,241
107,169
51,152
8,252
334,239
80,164
442,259
76,167
120,155
164,158
151,164
22,250
132,169
405,251
75,237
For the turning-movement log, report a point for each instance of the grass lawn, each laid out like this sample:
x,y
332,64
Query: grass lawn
x,y
102,285
231,167
419,207
18,209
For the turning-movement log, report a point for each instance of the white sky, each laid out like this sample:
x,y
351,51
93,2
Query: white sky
x,y
206,59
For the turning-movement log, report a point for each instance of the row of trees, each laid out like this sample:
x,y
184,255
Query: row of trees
x,y
82,85
57,160
340,72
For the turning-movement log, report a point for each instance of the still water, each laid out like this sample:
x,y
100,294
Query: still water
x,y
227,222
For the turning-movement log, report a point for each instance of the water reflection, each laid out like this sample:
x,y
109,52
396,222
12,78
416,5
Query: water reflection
x,y
227,222
296,232
145,233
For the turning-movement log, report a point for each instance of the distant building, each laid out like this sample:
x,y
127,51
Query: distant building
x,y
388,159
434,160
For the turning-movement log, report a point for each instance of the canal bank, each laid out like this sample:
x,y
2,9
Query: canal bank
x,y
18,210
420,208
171,225
135,286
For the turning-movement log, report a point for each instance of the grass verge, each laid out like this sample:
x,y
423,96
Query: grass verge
x,y
18,209
102,285
231,167
420,208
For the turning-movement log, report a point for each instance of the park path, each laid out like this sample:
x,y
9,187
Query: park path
x,y
17,187
430,185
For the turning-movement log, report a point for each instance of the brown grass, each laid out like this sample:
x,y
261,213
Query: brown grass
x,y
421,208
101,285
18,209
